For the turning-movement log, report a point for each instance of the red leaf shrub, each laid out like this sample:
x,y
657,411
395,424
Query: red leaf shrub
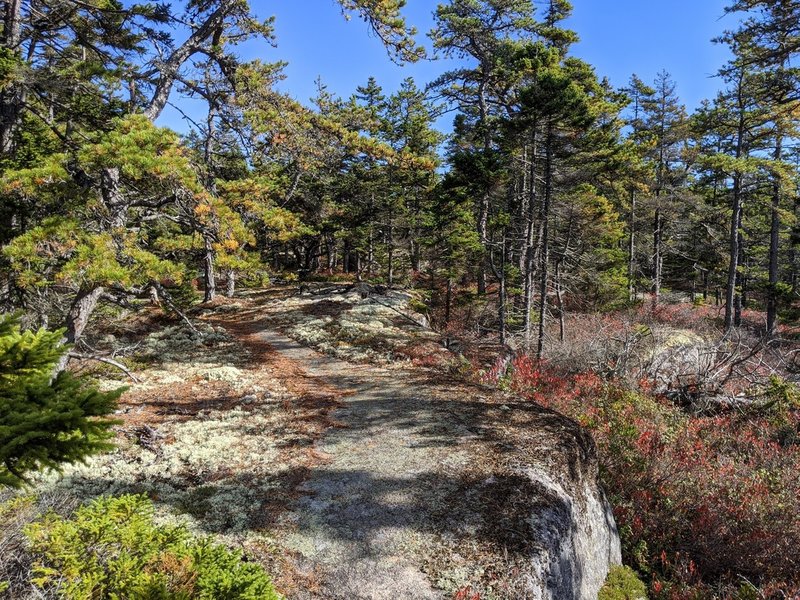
x,y
703,503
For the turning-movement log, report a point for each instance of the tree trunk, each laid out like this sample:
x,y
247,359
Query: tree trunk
x,y
330,250
560,303
733,253
545,242
658,259
632,248
774,241
735,240
503,292
208,273
230,284
448,302
371,241
413,248
483,205
10,98
528,271
390,249
346,256
559,290
739,301
77,318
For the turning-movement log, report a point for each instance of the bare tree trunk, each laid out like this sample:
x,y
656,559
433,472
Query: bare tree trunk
x,y
560,303
10,98
230,284
774,241
736,221
371,240
739,299
733,253
632,248
529,246
544,273
448,302
503,293
559,290
390,249
330,250
483,205
658,260
208,273
77,319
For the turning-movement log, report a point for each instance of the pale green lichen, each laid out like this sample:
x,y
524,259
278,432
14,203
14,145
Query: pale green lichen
x,y
369,329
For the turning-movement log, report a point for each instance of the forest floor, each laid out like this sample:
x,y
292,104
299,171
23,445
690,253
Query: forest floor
x,y
371,479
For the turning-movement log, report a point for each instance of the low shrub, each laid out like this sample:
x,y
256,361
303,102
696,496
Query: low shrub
x,y
111,548
703,502
622,583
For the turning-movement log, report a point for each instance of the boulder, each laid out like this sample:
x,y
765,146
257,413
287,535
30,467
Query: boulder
x,y
573,536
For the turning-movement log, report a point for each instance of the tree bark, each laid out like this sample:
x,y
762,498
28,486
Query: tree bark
x,y
390,249
168,69
529,246
733,253
503,293
208,273
77,319
544,260
774,241
448,302
632,248
483,205
230,284
10,98
741,282
658,259
736,218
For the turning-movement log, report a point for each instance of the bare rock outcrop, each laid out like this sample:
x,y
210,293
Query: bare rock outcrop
x,y
433,487
575,535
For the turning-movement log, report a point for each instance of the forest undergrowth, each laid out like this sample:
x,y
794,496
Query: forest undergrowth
x,y
702,474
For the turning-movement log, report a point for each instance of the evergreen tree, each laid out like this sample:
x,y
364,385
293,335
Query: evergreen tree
x,y
481,30
665,132
45,422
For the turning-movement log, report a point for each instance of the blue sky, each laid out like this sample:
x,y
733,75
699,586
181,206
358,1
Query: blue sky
x,y
618,37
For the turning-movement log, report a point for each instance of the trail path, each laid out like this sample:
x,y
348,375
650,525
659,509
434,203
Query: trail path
x,y
425,486
399,454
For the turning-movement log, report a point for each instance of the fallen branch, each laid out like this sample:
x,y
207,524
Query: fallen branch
x,y
399,312
108,361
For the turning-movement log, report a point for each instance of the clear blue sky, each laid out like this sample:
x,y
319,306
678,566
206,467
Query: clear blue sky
x,y
618,37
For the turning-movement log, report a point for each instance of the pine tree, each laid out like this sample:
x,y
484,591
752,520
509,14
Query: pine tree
x,y
639,95
767,41
45,422
665,131
481,30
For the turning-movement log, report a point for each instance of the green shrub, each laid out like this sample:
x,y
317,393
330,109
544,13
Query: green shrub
x,y
111,548
45,421
622,583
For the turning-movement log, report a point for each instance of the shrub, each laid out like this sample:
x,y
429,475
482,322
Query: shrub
x,y
45,421
702,502
622,583
111,548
